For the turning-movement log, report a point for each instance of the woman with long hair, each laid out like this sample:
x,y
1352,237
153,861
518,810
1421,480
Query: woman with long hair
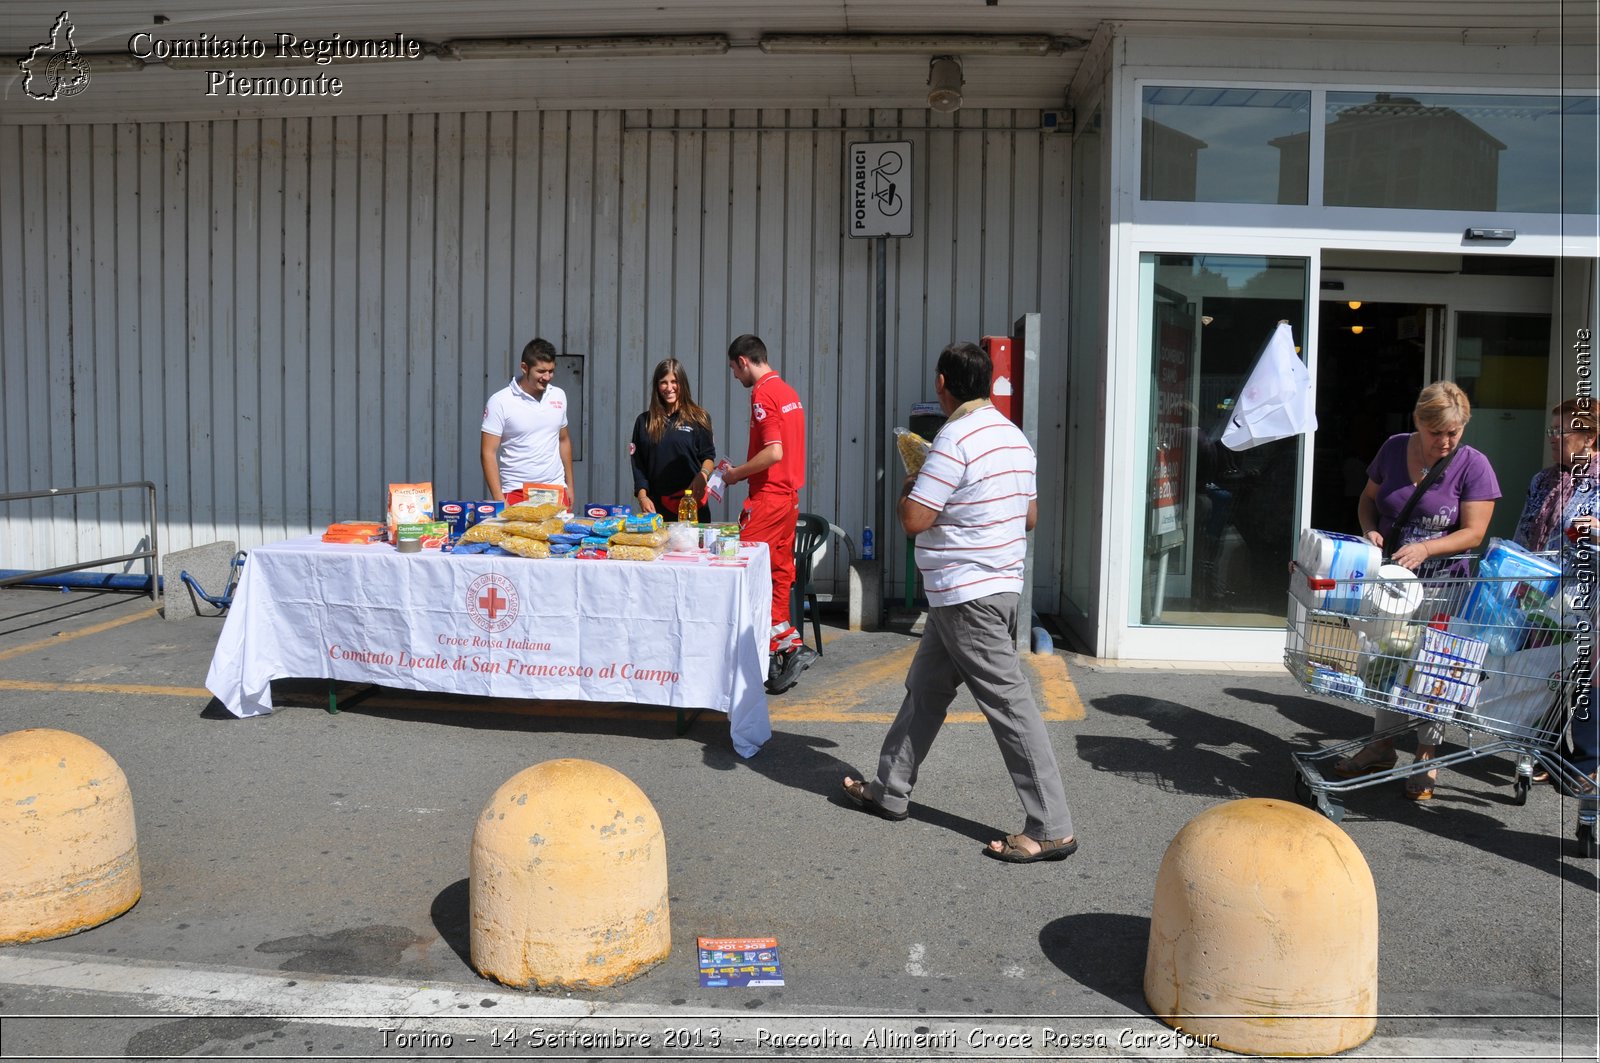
x,y
672,449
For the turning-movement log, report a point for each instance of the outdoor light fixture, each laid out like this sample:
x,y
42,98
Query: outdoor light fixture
x,y
1354,304
944,83
1016,44
581,47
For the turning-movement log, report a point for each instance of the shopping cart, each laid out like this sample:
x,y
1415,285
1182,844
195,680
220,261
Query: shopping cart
x,y
1505,658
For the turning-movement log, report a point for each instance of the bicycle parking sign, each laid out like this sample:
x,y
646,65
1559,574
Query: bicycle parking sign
x,y
878,188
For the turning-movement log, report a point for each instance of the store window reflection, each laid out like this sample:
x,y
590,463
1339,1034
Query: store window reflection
x,y
1458,151
1224,145
1219,525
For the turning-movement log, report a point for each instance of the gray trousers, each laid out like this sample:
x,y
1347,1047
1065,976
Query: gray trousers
x,y
975,643
1429,732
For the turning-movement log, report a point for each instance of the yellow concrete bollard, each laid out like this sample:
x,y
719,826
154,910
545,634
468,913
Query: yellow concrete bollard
x,y
569,879
1264,933
69,858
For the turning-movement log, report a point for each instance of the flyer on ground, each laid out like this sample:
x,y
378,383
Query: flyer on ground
x,y
737,962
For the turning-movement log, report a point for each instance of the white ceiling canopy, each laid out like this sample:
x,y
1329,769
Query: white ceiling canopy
x,y
515,54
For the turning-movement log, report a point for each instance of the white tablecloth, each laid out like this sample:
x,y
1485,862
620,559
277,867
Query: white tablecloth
x,y
685,635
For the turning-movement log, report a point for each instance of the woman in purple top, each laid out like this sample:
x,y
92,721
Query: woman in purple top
x,y
1451,518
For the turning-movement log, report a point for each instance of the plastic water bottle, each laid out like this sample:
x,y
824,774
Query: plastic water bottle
x,y
1328,681
867,550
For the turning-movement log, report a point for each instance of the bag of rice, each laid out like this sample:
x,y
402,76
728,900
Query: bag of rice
x,y
913,449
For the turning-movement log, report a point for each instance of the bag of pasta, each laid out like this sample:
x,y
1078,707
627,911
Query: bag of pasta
x,y
913,449
624,552
530,511
489,531
525,547
530,529
654,539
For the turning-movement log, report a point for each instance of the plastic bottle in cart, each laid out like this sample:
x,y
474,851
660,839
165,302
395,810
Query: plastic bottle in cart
x,y
1328,681
867,547
688,510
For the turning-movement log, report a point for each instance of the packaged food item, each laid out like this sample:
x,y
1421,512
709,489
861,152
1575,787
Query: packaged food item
x,y
579,526
609,526
597,511
688,508
596,541
682,538
530,511
620,510
487,531
525,547
458,514
465,547
643,522
913,449
623,552
657,539
486,510
355,532
566,539
561,549
432,533
590,553
554,494
531,529
409,504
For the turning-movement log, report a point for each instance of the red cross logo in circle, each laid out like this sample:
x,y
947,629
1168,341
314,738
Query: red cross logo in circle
x,y
493,602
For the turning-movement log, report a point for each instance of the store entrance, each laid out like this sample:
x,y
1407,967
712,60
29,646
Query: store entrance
x,y
1384,333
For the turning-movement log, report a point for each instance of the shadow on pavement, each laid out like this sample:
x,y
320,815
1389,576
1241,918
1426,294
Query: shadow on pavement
x,y
1103,951
449,915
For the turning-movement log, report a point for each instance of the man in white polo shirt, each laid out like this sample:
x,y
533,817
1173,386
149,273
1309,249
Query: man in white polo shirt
x,y
971,509
525,430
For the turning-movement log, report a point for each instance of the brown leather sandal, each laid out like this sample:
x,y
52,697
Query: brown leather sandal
x,y
1013,853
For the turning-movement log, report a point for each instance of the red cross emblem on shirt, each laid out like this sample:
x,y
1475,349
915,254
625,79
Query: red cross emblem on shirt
x,y
492,602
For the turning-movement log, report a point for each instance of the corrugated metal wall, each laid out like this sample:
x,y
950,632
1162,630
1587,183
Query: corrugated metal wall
x,y
274,318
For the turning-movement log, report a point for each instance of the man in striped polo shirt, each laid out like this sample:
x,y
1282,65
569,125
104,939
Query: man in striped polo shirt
x,y
971,508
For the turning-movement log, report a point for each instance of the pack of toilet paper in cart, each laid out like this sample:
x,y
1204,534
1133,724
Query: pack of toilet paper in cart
x,y
1340,573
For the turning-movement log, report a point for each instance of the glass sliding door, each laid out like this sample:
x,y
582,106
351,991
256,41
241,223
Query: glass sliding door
x,y
1219,525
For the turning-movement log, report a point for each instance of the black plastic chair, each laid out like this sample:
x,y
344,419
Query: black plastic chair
x,y
810,532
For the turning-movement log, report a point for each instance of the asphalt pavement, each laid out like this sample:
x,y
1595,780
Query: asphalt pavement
x,y
305,873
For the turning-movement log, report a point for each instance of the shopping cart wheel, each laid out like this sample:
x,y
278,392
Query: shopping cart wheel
x,y
1302,791
1520,788
1588,847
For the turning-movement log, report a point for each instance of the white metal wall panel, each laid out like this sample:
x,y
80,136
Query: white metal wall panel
x,y
274,318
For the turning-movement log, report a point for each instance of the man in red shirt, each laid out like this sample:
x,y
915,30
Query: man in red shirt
x,y
776,469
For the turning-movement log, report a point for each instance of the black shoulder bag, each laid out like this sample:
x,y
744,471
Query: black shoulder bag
x,y
1389,545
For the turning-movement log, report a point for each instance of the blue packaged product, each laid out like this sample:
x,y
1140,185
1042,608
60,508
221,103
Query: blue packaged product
x,y
597,511
581,526
595,541
561,549
608,527
620,511
486,510
643,522
567,538
1328,681
1492,611
458,514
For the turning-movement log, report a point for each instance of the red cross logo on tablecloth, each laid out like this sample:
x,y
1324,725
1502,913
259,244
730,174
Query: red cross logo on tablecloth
x,y
492,602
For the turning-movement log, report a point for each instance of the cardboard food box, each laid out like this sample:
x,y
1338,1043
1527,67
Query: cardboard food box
x,y
433,533
1447,673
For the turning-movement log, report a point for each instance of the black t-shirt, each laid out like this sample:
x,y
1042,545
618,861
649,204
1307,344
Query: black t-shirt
x,y
667,465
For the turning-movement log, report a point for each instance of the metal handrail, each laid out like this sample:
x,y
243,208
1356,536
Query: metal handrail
x,y
150,554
